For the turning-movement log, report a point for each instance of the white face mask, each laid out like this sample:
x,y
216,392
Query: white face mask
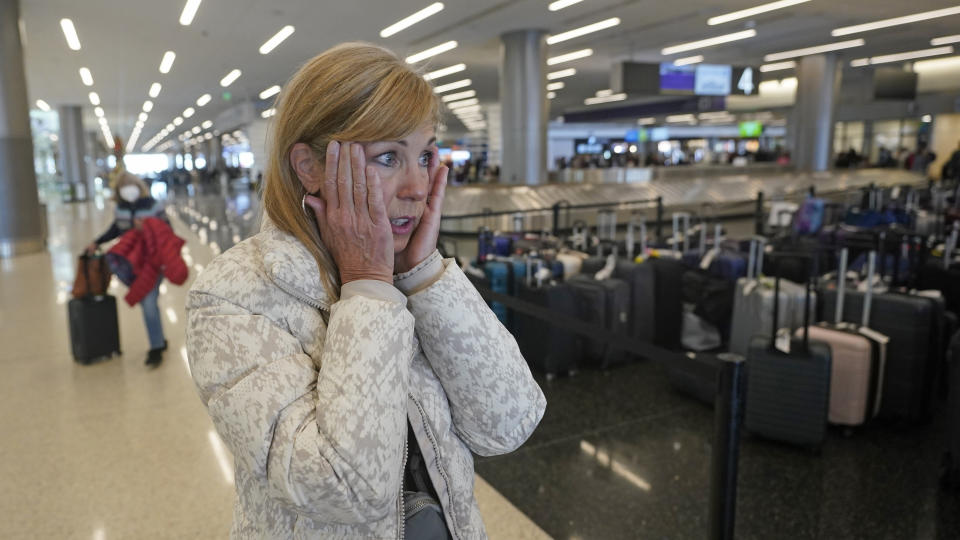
x,y
129,193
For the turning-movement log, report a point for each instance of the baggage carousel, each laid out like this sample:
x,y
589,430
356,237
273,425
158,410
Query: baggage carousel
x,y
530,208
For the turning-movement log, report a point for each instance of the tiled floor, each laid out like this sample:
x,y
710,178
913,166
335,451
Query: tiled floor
x,y
116,450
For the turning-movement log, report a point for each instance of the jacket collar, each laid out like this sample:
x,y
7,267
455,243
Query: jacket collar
x,y
291,266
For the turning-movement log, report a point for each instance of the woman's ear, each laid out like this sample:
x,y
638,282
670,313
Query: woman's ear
x,y
307,167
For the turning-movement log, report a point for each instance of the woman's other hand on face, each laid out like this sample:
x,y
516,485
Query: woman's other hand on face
x,y
352,216
424,239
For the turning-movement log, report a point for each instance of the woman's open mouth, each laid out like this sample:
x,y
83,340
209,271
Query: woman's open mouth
x,y
402,225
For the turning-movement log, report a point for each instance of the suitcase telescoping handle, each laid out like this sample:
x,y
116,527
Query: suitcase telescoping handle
x,y
631,238
806,299
868,297
841,285
677,217
755,261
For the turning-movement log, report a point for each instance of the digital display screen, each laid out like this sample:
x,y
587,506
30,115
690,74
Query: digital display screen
x,y
751,129
712,80
677,79
632,135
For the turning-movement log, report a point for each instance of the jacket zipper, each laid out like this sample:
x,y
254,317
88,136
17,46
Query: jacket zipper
x,y
306,300
401,512
436,450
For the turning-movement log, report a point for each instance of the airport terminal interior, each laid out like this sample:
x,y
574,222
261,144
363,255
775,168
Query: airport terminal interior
x,y
721,238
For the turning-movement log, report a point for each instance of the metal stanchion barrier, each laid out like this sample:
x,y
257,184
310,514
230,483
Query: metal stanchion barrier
x,y
728,416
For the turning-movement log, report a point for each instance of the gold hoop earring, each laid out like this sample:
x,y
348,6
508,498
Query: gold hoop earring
x,y
303,204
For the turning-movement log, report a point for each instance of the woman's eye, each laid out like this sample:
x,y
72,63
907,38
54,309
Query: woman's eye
x,y
425,159
387,159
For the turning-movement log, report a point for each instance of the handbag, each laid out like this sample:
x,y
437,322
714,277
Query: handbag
x,y
423,516
93,276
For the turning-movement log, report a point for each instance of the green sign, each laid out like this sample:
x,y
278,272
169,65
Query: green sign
x,y
227,96
751,129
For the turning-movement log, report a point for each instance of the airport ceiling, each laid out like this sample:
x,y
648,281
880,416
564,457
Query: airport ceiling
x,y
123,43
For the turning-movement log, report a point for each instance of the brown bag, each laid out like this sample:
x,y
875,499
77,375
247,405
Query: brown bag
x,y
93,276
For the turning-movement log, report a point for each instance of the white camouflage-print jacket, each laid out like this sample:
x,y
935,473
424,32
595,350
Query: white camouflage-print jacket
x,y
313,399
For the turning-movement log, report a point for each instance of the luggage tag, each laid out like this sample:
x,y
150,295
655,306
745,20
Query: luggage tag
x,y
782,343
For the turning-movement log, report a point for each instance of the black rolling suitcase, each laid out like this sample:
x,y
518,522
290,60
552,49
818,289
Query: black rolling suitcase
x,y
951,473
606,303
548,349
94,330
668,276
789,392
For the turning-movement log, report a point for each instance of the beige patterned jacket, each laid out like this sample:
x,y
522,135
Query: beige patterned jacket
x,y
313,399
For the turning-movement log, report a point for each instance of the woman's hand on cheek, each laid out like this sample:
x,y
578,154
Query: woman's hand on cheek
x,y
424,239
352,217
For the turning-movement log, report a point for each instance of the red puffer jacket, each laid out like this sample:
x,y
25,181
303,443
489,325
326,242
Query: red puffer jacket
x,y
151,250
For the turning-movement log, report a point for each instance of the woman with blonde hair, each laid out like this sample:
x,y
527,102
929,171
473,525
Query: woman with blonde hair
x,y
133,205
348,367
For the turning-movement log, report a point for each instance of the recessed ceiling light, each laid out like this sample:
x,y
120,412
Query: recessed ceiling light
x,y
142,117
277,39
187,113
43,105
814,50
272,91
177,121
604,93
407,22
70,32
98,111
189,10
203,100
688,60
750,12
902,57
431,52
456,68
569,72
605,99
453,86
230,77
94,98
945,40
195,130
896,21
575,55
583,30
766,68
560,4
86,76
167,62
207,124
465,103
147,106
268,113
555,86
459,95
709,42
154,90
551,95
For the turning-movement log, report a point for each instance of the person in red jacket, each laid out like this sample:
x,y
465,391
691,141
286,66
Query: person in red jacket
x,y
134,205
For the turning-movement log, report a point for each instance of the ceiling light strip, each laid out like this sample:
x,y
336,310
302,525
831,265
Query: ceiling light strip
x,y
411,20
70,33
945,40
814,50
431,52
456,68
569,57
560,4
453,86
276,40
750,12
167,62
563,73
896,21
272,91
709,42
155,90
779,66
459,95
688,60
901,57
230,78
605,99
86,76
189,11
583,30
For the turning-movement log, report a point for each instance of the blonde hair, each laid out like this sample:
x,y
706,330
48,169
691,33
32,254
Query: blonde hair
x,y
352,92
125,179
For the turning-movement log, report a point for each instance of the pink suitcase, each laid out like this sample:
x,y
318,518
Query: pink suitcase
x,y
858,360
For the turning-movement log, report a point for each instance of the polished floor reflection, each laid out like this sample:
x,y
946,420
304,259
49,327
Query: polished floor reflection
x,y
621,455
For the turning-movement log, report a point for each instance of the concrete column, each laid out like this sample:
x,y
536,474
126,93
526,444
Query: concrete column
x,y
73,150
523,101
21,222
819,86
